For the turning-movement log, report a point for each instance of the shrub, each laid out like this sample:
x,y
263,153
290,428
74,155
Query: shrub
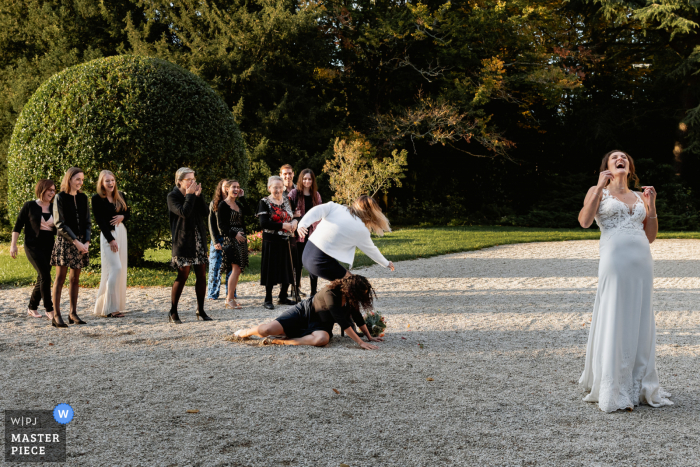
x,y
140,117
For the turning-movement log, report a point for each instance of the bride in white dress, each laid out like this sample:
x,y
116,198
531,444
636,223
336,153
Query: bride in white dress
x,y
620,370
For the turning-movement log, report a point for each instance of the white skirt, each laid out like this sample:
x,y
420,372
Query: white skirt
x,y
112,294
620,369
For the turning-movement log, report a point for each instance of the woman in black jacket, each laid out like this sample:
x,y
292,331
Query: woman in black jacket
x,y
187,215
71,213
39,234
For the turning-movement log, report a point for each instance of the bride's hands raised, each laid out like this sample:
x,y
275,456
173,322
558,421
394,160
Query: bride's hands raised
x,y
649,194
604,177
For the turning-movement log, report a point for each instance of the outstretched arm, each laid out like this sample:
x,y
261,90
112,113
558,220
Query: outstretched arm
x,y
370,249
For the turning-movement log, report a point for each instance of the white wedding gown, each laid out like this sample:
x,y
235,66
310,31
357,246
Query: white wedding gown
x,y
620,370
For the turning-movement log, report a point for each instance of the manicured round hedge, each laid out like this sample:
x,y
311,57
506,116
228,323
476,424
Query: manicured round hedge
x,y
140,117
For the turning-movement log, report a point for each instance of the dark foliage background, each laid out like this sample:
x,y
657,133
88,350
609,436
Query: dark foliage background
x,y
506,108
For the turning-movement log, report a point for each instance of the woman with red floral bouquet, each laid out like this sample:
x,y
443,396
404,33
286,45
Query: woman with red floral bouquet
x,y
277,221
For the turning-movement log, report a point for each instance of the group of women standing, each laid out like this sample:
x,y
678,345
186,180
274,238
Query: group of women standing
x,y
68,215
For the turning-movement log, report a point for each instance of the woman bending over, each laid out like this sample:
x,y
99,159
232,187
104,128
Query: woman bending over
x,y
340,230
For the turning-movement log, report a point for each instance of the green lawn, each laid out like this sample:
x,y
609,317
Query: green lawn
x,y
401,245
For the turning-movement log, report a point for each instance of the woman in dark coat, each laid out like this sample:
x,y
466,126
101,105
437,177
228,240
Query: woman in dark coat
x,y
277,221
188,213
71,213
36,218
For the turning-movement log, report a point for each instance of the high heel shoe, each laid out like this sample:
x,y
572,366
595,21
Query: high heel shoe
x,y
174,318
233,305
56,324
203,316
76,320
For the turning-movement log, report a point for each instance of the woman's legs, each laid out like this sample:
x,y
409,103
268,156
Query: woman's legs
x,y
41,260
214,277
200,286
316,338
182,274
233,281
108,294
274,328
74,279
61,272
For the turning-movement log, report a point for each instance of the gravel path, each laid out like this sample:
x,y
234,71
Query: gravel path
x,y
501,332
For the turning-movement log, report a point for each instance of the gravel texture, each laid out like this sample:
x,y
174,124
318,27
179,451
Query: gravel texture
x,y
480,366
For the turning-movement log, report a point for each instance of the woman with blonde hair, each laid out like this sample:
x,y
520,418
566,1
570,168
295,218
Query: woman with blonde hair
x,y
71,213
341,229
620,367
111,211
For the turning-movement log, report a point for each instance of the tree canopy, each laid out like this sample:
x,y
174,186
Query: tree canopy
x,y
504,108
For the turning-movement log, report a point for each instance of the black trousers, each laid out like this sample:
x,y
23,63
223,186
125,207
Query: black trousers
x,y
40,257
312,278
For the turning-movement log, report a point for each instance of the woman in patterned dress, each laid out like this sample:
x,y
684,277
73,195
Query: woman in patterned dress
x,y
187,214
277,221
71,213
235,242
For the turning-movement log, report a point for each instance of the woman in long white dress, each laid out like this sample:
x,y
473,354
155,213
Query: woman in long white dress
x,y
111,211
620,370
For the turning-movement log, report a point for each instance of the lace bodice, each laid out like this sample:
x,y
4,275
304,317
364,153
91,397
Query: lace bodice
x,y
614,216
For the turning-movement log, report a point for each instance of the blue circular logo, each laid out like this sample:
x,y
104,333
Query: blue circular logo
x,y
63,413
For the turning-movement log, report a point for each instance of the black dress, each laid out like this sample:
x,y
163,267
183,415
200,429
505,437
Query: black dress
x,y
230,223
276,267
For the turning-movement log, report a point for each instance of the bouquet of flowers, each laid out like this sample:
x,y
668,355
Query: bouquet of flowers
x,y
376,323
255,241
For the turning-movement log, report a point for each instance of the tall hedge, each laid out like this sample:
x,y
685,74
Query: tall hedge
x,y
140,117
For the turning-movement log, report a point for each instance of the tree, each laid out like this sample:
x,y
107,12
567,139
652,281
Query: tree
x,y
355,170
142,118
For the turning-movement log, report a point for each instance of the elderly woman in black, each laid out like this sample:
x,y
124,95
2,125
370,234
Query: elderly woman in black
x,y
71,213
36,218
188,213
277,221
311,321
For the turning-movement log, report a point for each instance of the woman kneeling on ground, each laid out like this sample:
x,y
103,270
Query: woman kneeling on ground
x,y
310,322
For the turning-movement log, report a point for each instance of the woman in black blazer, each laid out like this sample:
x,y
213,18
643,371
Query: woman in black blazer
x,y
39,234
71,213
189,237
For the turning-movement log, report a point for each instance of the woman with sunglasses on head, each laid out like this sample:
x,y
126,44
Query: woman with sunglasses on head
x,y
305,196
620,368
188,213
235,243
36,218
71,213
111,211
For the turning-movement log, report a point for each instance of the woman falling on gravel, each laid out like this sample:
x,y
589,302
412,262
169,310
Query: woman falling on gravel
x,y
310,322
